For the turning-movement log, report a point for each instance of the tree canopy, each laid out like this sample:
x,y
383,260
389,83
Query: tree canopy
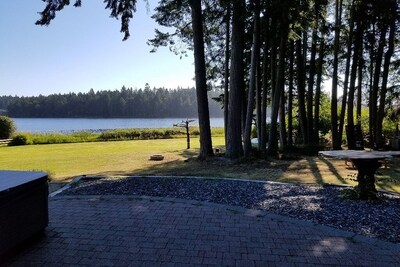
x,y
281,53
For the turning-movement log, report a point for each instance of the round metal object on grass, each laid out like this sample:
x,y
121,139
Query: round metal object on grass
x,y
157,157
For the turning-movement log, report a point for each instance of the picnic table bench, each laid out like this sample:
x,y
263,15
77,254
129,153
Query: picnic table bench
x,y
366,162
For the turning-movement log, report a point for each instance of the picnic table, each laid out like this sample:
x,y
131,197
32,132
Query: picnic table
x,y
366,162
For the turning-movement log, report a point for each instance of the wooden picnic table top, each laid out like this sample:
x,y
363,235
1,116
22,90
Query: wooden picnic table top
x,y
360,154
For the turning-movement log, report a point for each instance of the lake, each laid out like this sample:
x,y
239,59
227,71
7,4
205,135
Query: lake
x,y
40,125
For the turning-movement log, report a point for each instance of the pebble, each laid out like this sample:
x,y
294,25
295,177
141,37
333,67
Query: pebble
x,y
322,204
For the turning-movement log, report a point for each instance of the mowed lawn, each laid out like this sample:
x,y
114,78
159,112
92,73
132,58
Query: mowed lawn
x,y
122,158
64,161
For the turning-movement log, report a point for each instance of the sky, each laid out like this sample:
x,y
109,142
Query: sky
x,y
82,49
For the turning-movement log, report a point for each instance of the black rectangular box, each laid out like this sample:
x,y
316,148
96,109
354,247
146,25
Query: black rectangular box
x,y
23,207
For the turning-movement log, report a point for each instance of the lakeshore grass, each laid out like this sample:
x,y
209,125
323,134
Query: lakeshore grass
x,y
112,135
124,158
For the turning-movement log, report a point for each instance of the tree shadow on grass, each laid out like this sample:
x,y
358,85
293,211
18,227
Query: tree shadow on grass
x,y
316,170
332,168
219,167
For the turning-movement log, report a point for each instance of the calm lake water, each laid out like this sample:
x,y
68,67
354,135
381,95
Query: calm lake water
x,y
39,125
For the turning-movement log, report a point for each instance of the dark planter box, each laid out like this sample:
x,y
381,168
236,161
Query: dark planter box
x,y
23,208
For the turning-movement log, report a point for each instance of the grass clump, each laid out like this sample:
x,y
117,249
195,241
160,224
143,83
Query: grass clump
x,y
59,138
152,134
139,134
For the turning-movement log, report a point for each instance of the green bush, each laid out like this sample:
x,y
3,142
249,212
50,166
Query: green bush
x,y
20,140
138,134
195,132
254,132
123,134
7,127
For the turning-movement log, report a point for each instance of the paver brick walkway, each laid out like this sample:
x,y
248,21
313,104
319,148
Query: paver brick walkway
x,y
130,231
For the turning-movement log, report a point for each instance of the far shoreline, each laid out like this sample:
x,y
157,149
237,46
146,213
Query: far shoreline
x,y
72,125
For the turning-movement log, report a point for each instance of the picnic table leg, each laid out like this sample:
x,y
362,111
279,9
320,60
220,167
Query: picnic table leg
x,y
366,177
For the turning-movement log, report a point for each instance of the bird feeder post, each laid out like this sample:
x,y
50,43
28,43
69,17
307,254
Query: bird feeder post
x,y
187,134
185,124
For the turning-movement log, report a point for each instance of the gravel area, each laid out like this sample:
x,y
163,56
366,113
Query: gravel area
x,y
317,203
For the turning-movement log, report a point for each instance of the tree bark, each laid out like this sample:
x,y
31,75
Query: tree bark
x,y
359,86
255,59
353,75
201,81
262,142
336,139
311,79
347,71
273,57
375,87
385,74
234,147
317,99
290,96
282,120
226,68
280,80
301,90
371,86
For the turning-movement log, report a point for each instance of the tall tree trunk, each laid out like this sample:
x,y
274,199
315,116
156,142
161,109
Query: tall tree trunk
x,y
351,141
317,102
262,142
359,87
255,59
258,95
375,87
336,139
244,106
234,147
282,121
259,92
273,58
301,90
385,74
280,79
290,97
311,78
226,68
201,81
371,86
347,71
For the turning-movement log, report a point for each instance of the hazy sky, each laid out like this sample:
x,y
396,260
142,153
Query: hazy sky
x,y
82,49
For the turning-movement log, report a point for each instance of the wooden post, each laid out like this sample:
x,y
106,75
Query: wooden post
x,y
187,134
185,124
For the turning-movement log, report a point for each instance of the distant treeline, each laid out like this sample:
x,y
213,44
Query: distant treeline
x,y
127,102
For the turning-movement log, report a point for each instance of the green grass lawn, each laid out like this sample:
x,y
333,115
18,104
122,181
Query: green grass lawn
x,y
66,161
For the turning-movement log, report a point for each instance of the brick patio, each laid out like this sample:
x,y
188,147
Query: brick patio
x,y
141,231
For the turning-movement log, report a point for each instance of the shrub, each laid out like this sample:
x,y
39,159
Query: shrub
x,y
195,132
119,134
19,140
7,127
253,132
